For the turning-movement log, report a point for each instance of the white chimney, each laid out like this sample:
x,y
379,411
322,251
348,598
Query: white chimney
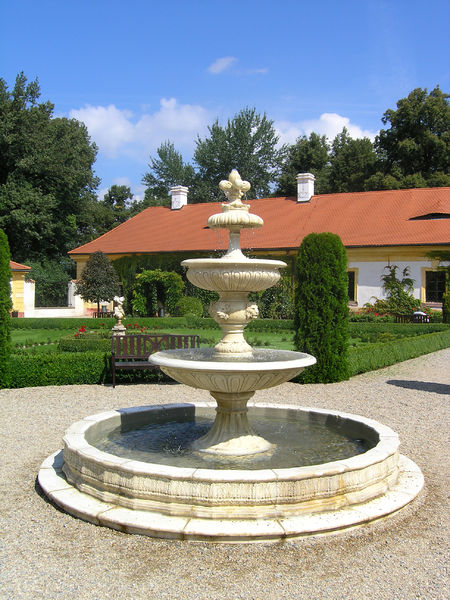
x,y
305,187
178,194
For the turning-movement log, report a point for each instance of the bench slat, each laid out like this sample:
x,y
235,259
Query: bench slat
x,y
132,351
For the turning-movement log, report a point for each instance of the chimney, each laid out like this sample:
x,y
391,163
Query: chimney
x,y
179,196
305,187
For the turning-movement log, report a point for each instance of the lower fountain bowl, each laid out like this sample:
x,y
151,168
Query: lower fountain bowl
x,y
201,368
227,505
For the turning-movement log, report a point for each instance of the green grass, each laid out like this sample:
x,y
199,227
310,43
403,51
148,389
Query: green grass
x,y
29,337
361,334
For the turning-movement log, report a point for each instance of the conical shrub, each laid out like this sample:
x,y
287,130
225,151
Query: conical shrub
x,y
321,310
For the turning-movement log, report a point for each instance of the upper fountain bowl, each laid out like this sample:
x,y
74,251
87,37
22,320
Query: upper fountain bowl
x,y
237,274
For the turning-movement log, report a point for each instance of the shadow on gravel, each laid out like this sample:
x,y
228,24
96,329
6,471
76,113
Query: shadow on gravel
x,y
425,386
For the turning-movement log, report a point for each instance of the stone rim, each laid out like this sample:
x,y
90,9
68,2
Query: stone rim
x,y
199,527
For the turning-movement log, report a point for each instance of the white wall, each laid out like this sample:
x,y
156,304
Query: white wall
x,y
28,297
369,277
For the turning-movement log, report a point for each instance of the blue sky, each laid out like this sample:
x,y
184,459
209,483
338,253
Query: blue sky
x,y
142,72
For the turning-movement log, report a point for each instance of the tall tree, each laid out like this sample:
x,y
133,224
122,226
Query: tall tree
x,y
247,142
417,142
352,162
46,177
166,170
115,207
99,280
307,155
5,307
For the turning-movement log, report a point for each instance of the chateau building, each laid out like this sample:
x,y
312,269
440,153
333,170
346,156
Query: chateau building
x,y
393,227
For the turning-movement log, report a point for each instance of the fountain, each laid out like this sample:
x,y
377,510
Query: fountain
x,y
231,482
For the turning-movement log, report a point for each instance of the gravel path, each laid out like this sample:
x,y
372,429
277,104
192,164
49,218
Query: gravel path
x,y
45,553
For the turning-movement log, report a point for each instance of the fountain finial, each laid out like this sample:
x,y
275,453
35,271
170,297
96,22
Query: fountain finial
x,y
234,187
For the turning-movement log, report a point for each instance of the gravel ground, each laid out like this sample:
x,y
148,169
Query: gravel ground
x,y
46,553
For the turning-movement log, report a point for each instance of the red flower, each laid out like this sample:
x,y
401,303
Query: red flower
x,y
77,334
136,325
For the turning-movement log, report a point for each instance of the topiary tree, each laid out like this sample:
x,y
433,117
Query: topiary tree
x,y
5,307
99,280
321,315
153,289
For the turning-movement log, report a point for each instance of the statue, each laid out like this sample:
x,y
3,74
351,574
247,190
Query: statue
x,y
119,314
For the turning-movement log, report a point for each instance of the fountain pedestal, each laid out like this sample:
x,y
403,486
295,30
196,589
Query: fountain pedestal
x,y
231,434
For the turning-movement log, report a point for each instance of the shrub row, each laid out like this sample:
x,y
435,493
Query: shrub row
x,y
72,368
376,356
84,344
75,368
398,329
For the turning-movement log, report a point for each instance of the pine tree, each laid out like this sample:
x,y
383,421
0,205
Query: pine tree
x,y
99,280
321,312
5,307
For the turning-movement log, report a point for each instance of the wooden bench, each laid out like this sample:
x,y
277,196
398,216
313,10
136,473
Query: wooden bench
x,y
102,314
132,351
412,318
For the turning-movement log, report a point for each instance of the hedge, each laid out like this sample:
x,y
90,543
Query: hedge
x,y
84,344
377,356
75,368
72,368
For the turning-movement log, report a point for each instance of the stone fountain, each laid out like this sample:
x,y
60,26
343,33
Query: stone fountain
x,y
231,486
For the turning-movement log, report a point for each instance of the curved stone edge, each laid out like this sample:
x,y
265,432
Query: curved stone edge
x,y
55,486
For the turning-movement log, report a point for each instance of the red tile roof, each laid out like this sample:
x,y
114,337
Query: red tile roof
x,y
382,218
15,266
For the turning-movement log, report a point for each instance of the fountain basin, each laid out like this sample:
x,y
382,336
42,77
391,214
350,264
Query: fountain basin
x,y
222,504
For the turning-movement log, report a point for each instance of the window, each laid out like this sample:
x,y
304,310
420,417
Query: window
x,y
351,286
434,286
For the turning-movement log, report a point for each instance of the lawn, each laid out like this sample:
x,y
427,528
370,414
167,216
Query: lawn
x,y
361,334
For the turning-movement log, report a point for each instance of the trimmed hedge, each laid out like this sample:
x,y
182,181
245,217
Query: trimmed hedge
x,y
33,370
84,344
75,368
72,368
377,356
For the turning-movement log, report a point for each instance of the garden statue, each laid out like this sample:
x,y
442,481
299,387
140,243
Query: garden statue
x,y
119,328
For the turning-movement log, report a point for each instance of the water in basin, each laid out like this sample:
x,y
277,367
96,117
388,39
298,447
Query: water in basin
x,y
301,439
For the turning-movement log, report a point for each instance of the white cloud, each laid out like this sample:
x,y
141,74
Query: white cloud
x,y
328,124
118,132
221,64
108,126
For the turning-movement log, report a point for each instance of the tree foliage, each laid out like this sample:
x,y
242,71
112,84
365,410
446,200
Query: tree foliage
x,y
352,162
166,170
417,142
307,155
5,307
51,278
156,289
46,177
247,142
99,280
321,317
399,297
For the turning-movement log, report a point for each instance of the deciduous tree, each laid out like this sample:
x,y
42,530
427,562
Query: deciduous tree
x,y
166,170
248,142
46,177
307,155
418,138
99,280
